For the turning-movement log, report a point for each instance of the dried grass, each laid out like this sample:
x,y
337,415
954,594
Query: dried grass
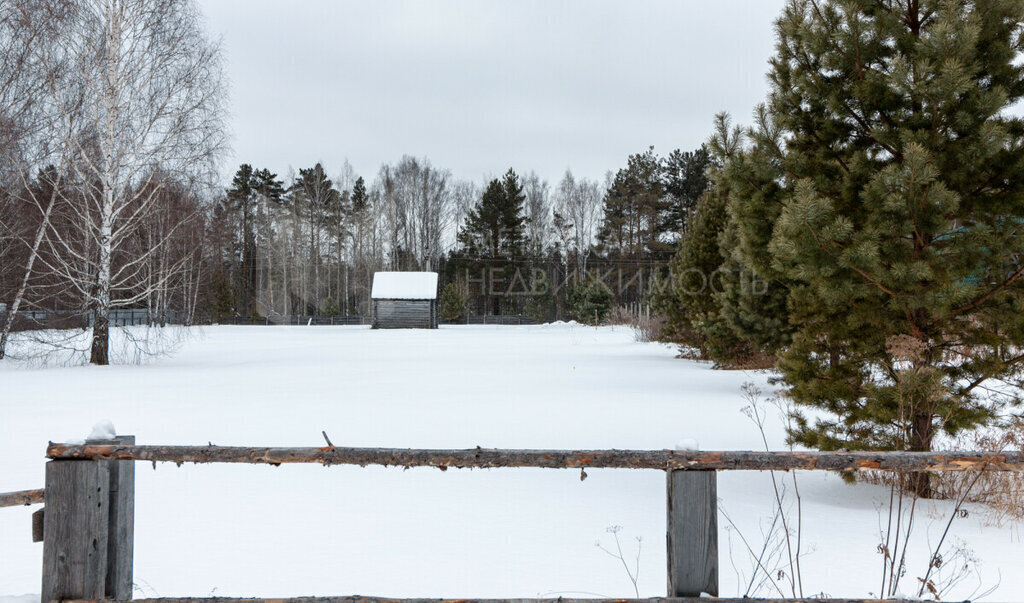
x,y
752,361
647,325
1002,492
620,315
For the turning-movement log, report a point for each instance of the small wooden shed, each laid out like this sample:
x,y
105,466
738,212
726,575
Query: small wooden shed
x,y
404,300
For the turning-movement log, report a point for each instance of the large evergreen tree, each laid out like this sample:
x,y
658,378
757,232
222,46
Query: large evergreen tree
x,y
241,201
894,216
734,314
688,303
494,235
751,294
247,199
360,200
635,209
267,187
313,194
495,227
685,175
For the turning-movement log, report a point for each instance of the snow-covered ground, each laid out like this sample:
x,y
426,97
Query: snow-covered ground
x,y
236,530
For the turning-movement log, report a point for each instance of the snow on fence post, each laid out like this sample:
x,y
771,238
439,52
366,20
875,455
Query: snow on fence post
x,y
88,529
692,533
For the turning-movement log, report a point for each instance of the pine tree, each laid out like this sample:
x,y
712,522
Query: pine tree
x,y
241,198
751,295
222,304
688,303
715,303
635,210
360,200
496,226
266,186
513,215
315,195
250,189
685,176
494,235
483,233
361,220
894,216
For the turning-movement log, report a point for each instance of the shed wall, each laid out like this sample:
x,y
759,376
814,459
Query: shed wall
x,y
404,314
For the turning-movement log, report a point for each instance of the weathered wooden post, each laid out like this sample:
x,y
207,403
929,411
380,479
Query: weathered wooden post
x,y
89,528
692,533
37,525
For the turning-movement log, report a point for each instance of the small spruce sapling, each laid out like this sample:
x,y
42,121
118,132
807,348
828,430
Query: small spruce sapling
x,y
453,303
329,307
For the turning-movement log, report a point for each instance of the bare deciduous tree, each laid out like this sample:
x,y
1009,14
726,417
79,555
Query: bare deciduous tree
x,y
465,194
142,105
25,28
577,208
538,212
417,211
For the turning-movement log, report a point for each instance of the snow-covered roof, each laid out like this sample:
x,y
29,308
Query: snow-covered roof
x,y
404,285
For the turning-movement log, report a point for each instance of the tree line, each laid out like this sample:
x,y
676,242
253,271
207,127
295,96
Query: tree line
x,y
309,243
112,129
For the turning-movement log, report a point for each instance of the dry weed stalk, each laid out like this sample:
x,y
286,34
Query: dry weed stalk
x,y
793,535
894,559
634,572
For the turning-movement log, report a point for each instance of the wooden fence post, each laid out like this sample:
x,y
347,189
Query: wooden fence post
x,y
89,528
37,525
692,533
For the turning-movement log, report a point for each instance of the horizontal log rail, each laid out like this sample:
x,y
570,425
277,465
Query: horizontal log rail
x,y
358,599
22,498
90,505
484,458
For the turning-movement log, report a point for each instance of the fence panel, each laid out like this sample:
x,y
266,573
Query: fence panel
x,y
87,528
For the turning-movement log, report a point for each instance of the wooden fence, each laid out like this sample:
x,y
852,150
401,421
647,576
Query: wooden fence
x,y
87,526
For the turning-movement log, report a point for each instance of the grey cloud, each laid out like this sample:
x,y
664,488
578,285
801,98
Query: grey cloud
x,y
480,86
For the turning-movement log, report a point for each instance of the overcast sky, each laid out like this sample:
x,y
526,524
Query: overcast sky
x,y
479,87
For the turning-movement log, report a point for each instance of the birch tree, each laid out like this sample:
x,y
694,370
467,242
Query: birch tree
x,y
538,213
464,196
577,212
148,106
417,207
25,28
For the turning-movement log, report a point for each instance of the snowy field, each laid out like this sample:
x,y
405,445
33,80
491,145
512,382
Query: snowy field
x,y
233,530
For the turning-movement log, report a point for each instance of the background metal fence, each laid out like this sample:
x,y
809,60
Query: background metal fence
x,y
34,320
500,319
